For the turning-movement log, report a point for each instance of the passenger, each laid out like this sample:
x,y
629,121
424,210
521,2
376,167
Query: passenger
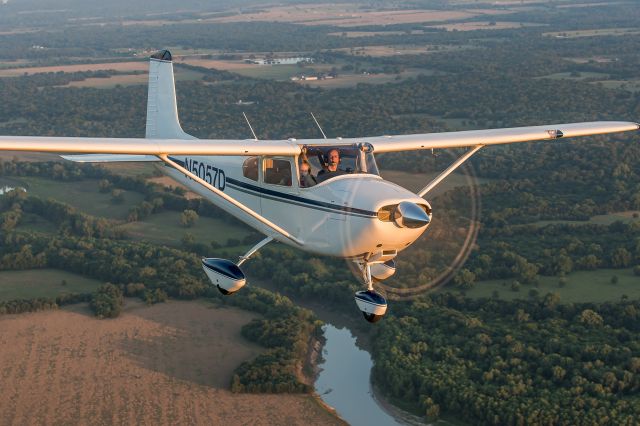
x,y
307,180
331,169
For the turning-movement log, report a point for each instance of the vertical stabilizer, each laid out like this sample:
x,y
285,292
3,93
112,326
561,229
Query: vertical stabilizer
x,y
162,109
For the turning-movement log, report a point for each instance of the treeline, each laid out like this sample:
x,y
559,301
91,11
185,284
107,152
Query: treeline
x,y
288,331
20,306
510,363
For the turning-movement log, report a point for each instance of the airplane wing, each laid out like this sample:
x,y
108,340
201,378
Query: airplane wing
x,y
143,146
494,136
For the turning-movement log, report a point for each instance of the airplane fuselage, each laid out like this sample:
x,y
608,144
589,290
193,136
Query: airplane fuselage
x,y
338,217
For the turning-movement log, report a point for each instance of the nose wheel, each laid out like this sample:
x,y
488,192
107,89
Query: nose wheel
x,y
371,303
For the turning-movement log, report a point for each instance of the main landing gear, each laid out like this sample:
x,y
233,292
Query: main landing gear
x,y
372,304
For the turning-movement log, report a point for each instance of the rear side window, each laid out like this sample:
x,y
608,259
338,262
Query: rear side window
x,y
250,168
277,172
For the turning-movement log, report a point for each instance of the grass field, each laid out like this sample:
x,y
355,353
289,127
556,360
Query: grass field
x,y
167,364
582,286
594,33
43,283
351,80
82,195
117,66
485,25
351,15
131,169
165,228
395,50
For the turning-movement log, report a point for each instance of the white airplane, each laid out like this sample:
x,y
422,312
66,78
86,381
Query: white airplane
x,y
344,208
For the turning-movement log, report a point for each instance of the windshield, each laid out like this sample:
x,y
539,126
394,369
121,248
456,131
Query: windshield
x,y
326,162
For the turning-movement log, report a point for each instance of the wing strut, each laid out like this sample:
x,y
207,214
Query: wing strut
x,y
448,171
231,200
254,249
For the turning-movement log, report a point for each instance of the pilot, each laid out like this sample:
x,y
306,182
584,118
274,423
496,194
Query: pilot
x,y
306,178
331,169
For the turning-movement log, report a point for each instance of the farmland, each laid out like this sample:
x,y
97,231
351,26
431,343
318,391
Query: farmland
x,y
167,364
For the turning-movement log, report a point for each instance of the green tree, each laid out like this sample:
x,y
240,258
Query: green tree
x,y
188,218
108,301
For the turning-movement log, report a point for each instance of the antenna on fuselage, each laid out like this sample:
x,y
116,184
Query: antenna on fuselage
x,y
251,128
318,124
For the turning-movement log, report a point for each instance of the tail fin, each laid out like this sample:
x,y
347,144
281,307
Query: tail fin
x,y
162,109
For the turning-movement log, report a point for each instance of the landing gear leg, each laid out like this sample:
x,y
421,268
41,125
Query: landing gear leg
x,y
370,302
226,275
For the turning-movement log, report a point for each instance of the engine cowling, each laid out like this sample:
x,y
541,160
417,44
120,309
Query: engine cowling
x,y
224,274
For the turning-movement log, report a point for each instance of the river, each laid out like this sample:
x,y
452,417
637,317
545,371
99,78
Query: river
x,y
344,382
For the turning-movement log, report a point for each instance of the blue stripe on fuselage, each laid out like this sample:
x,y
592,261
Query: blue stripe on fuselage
x,y
288,198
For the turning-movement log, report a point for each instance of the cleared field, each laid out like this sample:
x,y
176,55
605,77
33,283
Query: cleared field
x,y
350,15
166,364
356,34
582,286
29,156
382,51
111,82
486,25
165,228
593,33
350,80
117,66
82,195
131,169
226,65
43,283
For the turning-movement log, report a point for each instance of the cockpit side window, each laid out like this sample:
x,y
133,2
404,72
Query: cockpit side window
x,y
277,171
250,168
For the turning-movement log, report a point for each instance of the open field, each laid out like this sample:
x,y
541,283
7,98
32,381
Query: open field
x,y
350,15
594,33
166,364
43,283
219,64
351,80
485,25
165,228
117,66
110,82
388,50
131,169
357,34
82,195
29,156
582,286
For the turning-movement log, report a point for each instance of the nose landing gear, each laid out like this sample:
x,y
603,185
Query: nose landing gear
x,y
372,304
